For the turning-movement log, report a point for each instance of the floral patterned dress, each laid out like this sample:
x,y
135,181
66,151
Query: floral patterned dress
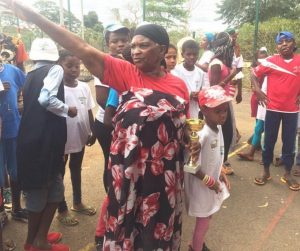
x,y
145,173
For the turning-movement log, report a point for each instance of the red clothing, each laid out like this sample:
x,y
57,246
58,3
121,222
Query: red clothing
x,y
21,55
254,105
283,82
121,75
225,71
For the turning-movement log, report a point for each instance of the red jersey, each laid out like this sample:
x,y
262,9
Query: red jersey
x,y
283,82
122,75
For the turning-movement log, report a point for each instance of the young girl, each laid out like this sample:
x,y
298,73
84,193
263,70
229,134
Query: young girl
x,y
219,73
79,134
259,112
171,57
208,188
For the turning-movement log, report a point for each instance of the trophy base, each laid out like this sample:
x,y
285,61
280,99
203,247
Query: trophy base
x,y
190,169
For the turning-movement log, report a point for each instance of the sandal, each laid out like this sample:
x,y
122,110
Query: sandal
x,y
296,172
262,180
293,185
227,169
67,220
85,210
245,156
9,245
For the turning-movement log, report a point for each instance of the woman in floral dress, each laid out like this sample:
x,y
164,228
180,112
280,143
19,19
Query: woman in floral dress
x,y
145,167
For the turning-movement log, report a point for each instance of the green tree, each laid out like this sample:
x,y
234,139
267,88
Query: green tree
x,y
91,20
168,13
132,15
266,35
50,10
237,12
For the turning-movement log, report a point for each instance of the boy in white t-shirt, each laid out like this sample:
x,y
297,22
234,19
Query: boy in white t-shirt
x,y
193,76
79,134
208,188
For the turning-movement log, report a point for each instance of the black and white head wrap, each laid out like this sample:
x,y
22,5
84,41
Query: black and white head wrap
x,y
222,47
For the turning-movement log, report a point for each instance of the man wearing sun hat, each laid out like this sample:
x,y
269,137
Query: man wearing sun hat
x,y
40,145
282,103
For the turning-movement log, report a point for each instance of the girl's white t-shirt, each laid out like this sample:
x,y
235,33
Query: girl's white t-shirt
x,y
194,81
100,113
200,200
261,110
206,59
78,128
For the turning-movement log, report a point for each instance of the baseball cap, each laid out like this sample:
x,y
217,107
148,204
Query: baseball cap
x,y
263,49
213,96
43,49
284,35
231,31
210,36
115,27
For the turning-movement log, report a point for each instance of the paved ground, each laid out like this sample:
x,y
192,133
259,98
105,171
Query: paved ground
x,y
252,219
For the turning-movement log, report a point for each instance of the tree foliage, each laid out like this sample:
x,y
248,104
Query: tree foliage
x,y
50,10
91,20
237,12
133,15
266,34
168,13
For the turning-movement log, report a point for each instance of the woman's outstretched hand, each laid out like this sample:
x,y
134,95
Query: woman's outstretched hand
x,y
19,9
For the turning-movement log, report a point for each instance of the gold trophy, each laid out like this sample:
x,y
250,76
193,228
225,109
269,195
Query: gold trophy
x,y
195,125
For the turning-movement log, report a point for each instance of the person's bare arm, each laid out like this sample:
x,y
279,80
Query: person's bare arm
x,y
262,97
90,56
101,95
215,72
110,112
92,138
203,67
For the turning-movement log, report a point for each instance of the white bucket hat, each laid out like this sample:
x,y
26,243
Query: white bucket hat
x,y
43,49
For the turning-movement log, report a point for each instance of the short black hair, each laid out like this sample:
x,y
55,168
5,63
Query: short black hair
x,y
63,53
123,31
190,44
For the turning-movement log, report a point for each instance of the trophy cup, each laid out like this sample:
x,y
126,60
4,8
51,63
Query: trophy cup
x,y
194,125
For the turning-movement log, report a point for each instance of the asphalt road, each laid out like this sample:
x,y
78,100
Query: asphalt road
x,y
254,218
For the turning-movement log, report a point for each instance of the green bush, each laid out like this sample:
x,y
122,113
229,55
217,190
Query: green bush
x,y
266,35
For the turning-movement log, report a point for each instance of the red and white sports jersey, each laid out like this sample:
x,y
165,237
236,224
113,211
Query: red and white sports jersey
x,y
283,82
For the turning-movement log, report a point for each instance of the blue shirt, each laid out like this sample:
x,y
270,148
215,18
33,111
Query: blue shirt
x,y
9,100
113,98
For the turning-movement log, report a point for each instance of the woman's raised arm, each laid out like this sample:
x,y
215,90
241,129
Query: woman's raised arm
x,y
90,56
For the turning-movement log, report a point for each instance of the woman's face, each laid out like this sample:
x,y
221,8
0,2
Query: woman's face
x,y
204,43
146,54
170,59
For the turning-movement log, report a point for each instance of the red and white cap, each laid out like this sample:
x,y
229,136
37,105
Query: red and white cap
x,y
213,96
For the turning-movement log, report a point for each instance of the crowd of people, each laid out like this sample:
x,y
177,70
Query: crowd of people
x,y
145,95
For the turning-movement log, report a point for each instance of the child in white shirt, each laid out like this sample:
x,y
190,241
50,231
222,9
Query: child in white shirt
x,y
79,134
192,75
208,188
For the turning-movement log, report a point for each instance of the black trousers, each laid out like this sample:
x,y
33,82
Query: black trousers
x,y
227,131
104,138
75,171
